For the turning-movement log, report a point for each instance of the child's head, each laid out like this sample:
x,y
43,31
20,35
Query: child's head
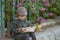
x,y
21,13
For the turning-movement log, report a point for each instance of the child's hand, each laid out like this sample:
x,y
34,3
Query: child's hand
x,y
23,29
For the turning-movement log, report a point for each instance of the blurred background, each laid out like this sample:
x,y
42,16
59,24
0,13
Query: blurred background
x,y
39,11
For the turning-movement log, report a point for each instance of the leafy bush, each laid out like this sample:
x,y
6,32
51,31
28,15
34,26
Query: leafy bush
x,y
43,9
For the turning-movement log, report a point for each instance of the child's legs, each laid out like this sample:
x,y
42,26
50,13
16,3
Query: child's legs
x,y
26,37
32,35
22,37
19,37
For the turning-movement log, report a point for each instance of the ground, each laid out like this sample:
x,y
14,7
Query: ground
x,y
52,33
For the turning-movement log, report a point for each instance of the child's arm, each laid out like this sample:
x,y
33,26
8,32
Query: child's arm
x,y
13,27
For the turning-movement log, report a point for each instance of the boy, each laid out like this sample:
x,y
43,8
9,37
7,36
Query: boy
x,y
18,24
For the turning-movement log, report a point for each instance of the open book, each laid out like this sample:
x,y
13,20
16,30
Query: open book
x,y
30,29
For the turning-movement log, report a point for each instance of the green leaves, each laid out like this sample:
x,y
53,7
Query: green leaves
x,y
45,15
34,8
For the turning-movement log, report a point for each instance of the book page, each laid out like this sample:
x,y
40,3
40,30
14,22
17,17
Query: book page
x,y
30,29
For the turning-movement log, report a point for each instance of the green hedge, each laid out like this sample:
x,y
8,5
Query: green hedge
x,y
43,9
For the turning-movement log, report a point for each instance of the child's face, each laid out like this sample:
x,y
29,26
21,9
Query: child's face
x,y
21,17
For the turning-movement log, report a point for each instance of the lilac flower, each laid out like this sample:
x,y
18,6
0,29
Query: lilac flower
x,y
44,1
42,20
50,14
43,9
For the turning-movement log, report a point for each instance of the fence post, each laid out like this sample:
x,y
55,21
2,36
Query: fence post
x,y
1,20
14,8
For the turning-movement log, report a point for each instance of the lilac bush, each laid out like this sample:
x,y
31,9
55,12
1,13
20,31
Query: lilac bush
x,y
37,8
43,9
51,14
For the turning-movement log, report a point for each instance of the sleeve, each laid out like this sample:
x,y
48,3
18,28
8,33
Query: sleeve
x,y
13,27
